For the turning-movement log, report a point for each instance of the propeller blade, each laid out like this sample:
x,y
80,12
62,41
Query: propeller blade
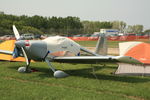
x,y
25,55
25,69
16,33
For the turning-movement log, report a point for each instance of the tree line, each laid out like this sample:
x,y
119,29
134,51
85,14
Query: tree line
x,y
40,25
61,26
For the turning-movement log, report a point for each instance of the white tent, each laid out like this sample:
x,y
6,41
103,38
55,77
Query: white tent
x,y
139,51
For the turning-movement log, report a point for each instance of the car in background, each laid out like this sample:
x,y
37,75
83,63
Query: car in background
x,y
44,36
86,35
7,37
94,37
37,36
27,36
78,35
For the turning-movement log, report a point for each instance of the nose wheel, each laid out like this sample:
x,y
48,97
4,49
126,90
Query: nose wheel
x,y
24,70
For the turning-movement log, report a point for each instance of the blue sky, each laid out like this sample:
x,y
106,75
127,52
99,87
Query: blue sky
x,y
131,11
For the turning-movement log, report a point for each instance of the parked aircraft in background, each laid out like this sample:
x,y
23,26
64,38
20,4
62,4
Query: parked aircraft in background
x,y
61,49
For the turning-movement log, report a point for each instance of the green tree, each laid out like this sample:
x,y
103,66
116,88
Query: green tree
x,y
120,25
94,26
36,21
6,24
138,28
147,31
29,29
130,29
135,29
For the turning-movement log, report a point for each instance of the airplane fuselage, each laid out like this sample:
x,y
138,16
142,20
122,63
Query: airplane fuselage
x,y
39,49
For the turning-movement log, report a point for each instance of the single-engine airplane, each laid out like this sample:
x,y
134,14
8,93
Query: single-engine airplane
x,y
60,49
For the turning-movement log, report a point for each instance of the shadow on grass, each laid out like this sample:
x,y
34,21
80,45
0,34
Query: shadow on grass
x,y
42,72
88,73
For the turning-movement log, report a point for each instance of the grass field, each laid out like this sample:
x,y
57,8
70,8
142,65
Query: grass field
x,y
111,44
82,84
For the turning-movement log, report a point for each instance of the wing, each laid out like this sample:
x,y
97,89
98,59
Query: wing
x,y
95,59
6,52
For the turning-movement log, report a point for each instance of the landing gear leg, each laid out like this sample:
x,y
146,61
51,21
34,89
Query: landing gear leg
x,y
58,73
25,69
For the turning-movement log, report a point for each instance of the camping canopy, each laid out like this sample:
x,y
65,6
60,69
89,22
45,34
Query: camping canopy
x,y
137,50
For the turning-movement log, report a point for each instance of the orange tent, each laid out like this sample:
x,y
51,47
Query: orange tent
x,y
9,46
137,50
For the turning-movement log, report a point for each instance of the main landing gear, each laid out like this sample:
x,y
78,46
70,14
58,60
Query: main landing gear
x,y
58,73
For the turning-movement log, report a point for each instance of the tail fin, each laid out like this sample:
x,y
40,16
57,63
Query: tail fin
x,y
101,46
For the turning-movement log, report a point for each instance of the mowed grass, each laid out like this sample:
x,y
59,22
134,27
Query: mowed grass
x,y
111,44
82,84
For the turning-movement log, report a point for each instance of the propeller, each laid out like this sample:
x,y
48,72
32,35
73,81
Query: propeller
x,y
17,35
20,44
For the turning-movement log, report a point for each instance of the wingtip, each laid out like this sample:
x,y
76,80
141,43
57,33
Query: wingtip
x,y
128,59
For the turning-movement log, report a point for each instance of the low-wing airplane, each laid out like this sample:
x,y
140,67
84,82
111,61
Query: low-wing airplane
x,y
60,49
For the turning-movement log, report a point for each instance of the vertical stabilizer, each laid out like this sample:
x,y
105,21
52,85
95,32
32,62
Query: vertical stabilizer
x,y
101,46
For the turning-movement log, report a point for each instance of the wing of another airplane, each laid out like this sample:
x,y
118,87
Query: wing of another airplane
x,y
95,59
6,52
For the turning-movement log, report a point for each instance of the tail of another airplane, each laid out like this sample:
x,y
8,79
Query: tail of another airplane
x,y
101,46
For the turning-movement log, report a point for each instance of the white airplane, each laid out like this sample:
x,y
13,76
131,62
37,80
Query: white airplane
x,y
60,49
